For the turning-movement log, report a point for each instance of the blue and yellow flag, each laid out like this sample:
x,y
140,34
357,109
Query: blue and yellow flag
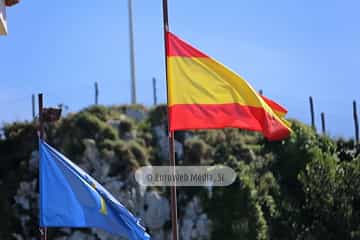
x,y
69,197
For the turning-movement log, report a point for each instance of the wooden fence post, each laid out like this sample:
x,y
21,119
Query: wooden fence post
x,y
154,91
356,122
33,105
323,123
96,93
312,113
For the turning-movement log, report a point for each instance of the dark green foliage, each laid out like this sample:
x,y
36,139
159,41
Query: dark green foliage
x,y
80,126
101,112
158,115
139,153
126,125
128,156
347,150
17,134
196,152
236,210
15,150
332,197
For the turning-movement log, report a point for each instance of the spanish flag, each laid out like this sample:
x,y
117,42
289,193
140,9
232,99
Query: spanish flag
x,y
204,94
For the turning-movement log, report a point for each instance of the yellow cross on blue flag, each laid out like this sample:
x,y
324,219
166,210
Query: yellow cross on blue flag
x,y
69,197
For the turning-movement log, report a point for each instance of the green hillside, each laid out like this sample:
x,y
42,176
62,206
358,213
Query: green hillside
x,y
306,187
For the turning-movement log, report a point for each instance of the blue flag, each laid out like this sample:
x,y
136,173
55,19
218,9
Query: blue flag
x,y
69,197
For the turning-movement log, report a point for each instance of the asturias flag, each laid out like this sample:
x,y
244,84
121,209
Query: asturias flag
x,y
69,197
205,94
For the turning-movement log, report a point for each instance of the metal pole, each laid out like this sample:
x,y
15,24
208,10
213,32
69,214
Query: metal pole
x,y
356,122
132,55
323,123
154,91
174,222
312,113
96,93
41,123
33,105
174,217
43,230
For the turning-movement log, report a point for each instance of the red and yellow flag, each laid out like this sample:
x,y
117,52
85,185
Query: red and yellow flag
x,y
204,94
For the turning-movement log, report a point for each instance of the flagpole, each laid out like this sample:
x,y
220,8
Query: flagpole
x,y
174,222
174,216
43,230
132,55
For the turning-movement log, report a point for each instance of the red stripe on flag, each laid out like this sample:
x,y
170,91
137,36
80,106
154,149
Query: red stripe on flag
x,y
213,116
274,106
178,47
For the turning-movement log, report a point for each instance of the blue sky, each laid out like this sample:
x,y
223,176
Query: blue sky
x,y
290,49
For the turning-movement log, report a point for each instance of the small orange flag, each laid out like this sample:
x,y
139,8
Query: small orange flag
x,y
204,94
